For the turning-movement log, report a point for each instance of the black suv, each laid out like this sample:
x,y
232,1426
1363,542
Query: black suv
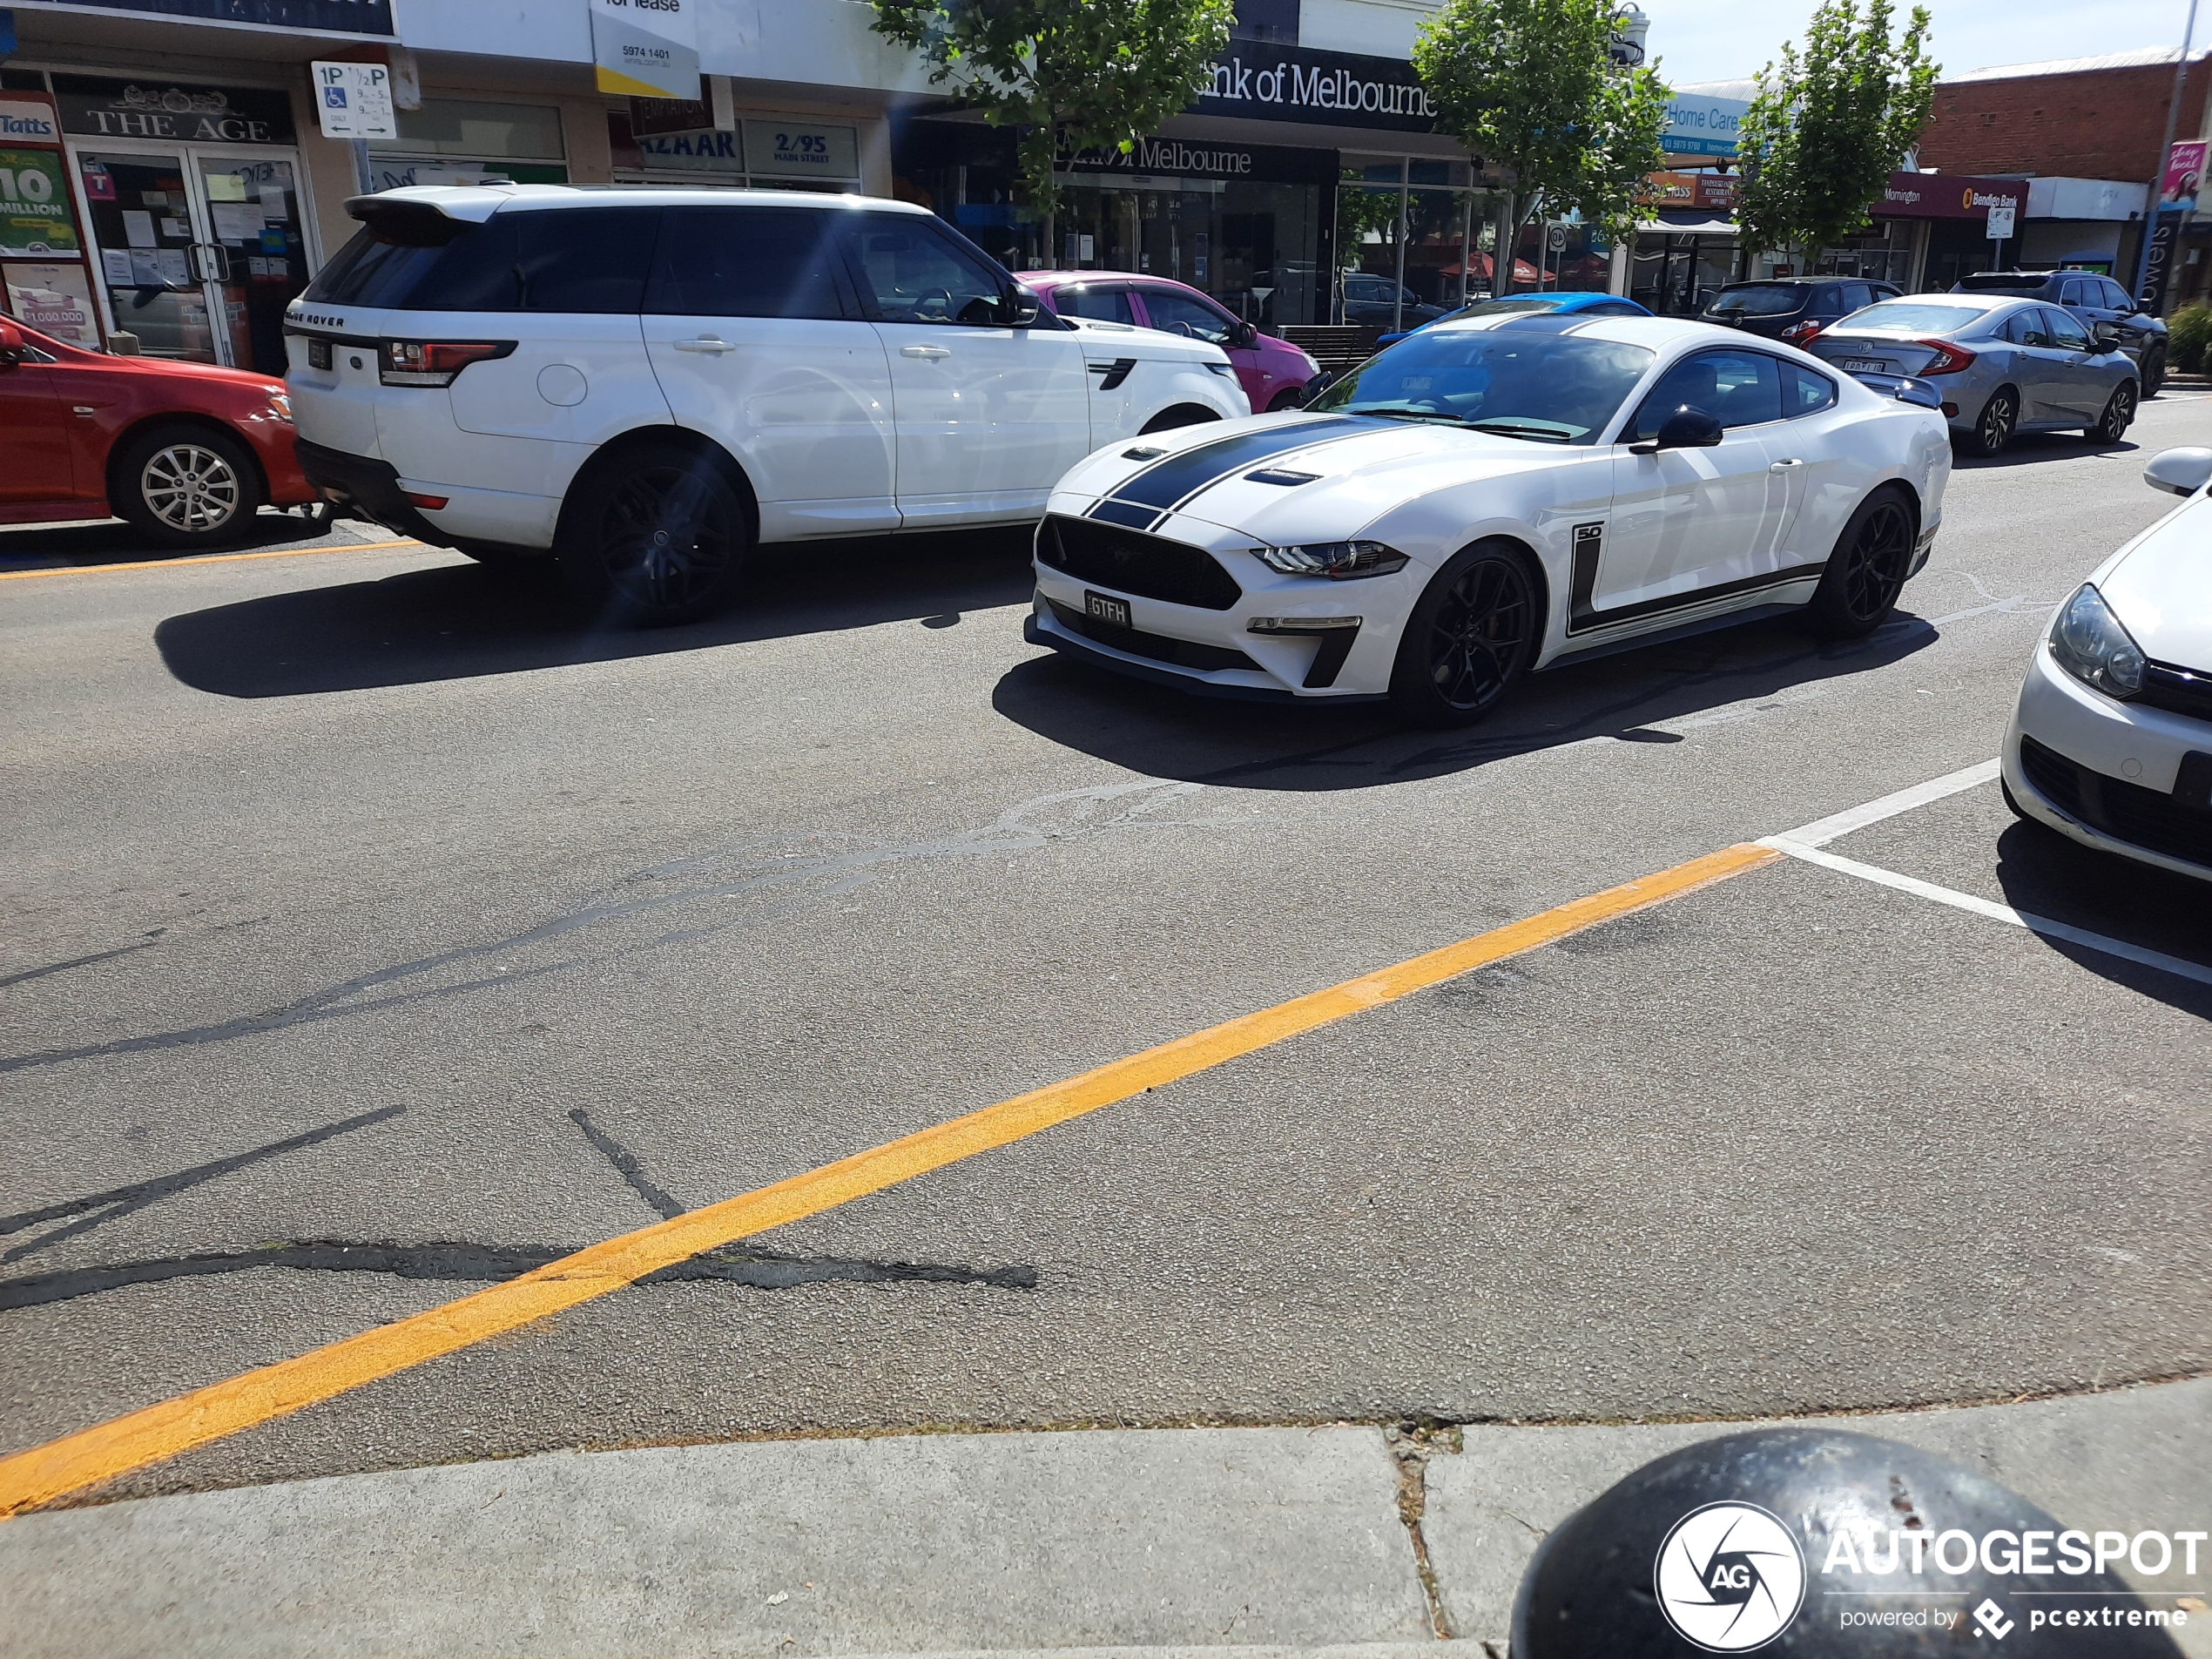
x,y
2093,299
1792,308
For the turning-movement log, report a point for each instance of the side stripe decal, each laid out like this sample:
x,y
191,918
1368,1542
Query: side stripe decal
x,y
1583,617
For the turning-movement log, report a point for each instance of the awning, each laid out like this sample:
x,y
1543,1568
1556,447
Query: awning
x,y
1687,227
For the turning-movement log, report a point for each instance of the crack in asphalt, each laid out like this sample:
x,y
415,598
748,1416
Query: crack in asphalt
x,y
626,1166
118,1202
1023,829
753,1269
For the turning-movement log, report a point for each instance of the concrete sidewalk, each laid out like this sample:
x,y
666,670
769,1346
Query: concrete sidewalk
x,y
1237,1542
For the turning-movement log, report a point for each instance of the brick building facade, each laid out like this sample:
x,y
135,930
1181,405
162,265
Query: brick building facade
x,y
2098,118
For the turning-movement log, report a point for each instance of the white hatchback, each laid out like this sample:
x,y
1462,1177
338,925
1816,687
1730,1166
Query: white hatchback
x,y
645,383
2112,741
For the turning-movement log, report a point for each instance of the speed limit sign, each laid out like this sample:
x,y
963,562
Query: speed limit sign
x,y
1558,239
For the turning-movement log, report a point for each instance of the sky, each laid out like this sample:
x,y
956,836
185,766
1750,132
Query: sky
x,y
1705,40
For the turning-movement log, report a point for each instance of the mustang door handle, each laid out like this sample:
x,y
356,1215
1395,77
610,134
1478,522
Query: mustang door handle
x,y
1784,466
929,354
706,343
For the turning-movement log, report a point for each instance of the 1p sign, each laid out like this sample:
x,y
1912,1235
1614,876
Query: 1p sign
x,y
354,100
2000,221
647,48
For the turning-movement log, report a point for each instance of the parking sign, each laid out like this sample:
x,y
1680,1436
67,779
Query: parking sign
x,y
2000,221
354,100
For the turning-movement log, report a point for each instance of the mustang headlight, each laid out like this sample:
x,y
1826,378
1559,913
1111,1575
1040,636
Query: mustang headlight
x,y
2090,644
1338,561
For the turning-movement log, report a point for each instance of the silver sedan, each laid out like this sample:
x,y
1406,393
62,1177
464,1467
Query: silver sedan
x,y
2002,365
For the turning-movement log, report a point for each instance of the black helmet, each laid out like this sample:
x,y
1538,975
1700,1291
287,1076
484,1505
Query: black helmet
x,y
1817,1544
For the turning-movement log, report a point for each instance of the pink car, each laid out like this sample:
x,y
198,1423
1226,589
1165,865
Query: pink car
x,y
1273,372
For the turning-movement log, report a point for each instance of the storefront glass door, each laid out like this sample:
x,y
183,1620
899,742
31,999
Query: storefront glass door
x,y
197,251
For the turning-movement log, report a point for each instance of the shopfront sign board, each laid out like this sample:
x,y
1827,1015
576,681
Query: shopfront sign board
x,y
25,120
178,112
354,100
2184,173
647,48
1703,126
1304,83
1947,195
802,150
317,17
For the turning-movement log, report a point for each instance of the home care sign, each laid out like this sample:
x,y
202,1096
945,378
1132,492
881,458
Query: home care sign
x,y
647,48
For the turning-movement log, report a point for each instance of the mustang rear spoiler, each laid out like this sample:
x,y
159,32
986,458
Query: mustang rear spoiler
x,y
1903,387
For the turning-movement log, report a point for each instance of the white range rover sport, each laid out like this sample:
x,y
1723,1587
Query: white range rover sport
x,y
644,383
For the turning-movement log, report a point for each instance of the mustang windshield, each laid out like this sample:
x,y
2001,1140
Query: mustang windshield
x,y
1545,388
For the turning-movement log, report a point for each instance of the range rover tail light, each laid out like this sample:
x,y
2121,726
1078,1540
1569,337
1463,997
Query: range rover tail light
x,y
433,362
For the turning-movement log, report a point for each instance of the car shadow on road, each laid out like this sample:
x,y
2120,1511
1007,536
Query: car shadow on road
x,y
462,621
112,541
2039,448
1166,733
2043,873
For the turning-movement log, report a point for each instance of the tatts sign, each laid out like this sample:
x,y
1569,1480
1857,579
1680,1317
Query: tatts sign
x,y
647,48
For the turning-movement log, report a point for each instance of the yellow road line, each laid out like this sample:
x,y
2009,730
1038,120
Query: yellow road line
x,y
44,1473
202,558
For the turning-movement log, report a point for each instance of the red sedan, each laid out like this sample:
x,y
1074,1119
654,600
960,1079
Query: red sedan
x,y
186,452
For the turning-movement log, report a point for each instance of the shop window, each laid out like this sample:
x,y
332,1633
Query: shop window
x,y
479,131
746,262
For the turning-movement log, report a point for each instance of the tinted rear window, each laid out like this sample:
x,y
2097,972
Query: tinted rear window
x,y
585,259
1757,300
2000,282
746,262
1916,316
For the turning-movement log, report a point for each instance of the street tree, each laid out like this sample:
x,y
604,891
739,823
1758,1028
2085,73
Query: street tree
x,y
1533,86
1066,74
1830,125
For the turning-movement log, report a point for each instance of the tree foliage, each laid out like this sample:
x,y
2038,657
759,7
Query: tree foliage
x,y
1831,124
1081,74
1531,85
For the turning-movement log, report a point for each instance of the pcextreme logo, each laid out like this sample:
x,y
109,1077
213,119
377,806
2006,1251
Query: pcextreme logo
x,y
1730,1577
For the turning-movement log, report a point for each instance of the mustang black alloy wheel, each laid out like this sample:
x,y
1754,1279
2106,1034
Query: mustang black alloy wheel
x,y
1471,635
1867,571
658,537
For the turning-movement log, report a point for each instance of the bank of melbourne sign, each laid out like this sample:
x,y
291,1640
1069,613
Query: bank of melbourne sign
x,y
321,17
1267,82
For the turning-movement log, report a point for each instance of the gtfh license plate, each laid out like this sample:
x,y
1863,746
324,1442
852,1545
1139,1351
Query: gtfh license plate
x,y
1865,366
1103,607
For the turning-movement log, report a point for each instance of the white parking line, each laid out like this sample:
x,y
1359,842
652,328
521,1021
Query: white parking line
x,y
1807,844
1822,831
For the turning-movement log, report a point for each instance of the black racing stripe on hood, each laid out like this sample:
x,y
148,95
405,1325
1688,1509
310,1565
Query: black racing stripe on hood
x,y
1160,486
1127,514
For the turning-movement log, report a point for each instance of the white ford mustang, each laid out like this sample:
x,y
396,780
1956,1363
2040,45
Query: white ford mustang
x,y
1489,498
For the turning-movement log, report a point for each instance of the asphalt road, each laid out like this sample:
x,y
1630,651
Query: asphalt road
x,y
374,935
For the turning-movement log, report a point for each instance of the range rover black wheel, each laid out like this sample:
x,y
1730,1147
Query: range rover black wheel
x,y
1471,634
654,537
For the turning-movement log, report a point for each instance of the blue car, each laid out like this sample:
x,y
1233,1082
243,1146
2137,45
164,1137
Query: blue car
x,y
1588,305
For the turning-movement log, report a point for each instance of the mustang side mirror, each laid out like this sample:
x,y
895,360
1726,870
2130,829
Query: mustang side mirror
x,y
2179,472
1688,427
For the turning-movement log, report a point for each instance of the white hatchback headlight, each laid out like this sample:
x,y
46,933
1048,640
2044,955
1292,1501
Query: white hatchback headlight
x,y
2089,642
1338,561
